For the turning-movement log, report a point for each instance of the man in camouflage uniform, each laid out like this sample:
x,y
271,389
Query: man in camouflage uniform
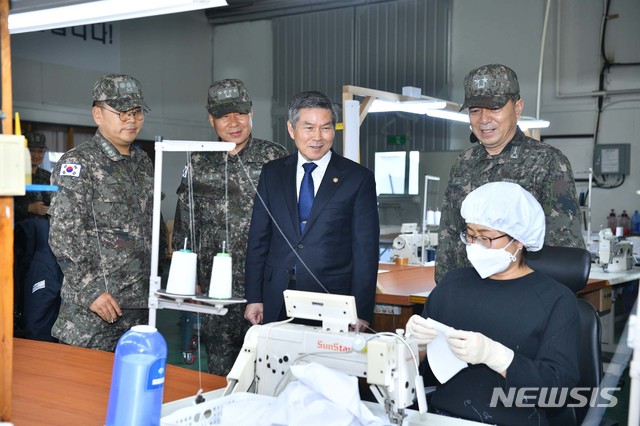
x,y
101,222
35,204
216,176
504,153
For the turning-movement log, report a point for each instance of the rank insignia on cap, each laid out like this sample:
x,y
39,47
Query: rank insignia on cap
x,y
70,170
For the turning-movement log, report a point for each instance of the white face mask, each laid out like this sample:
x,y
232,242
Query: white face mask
x,y
490,261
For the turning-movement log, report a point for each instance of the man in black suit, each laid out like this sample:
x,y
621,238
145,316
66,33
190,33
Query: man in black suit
x,y
334,229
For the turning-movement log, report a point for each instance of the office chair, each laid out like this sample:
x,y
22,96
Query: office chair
x,y
571,267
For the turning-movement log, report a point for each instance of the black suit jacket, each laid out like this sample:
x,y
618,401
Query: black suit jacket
x,y
339,244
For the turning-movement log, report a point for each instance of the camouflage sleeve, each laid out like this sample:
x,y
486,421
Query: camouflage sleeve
x,y
559,201
72,237
181,218
451,224
280,152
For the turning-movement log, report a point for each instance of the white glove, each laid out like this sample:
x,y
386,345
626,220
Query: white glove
x,y
476,348
420,329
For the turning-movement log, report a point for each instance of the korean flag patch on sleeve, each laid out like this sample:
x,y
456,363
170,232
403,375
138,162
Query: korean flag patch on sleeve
x,y
70,170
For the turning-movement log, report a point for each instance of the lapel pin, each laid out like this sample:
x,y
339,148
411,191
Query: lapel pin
x,y
335,180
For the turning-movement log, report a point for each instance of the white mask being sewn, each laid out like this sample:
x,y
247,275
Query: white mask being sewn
x,y
489,262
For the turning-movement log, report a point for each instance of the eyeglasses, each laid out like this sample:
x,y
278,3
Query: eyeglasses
x,y
480,239
137,114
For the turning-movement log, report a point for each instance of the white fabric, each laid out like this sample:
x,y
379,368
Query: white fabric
x,y
509,208
476,348
488,262
320,396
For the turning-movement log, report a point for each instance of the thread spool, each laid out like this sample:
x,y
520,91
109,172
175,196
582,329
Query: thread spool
x,y
402,260
221,277
182,274
137,380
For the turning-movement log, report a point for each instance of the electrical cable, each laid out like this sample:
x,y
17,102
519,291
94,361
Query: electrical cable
x,y
191,201
602,181
275,223
226,201
541,60
193,248
104,274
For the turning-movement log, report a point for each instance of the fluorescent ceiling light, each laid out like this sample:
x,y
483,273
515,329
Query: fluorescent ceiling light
x,y
101,11
414,107
449,115
526,123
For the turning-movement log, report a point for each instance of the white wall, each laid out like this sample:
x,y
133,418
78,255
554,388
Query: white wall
x,y
245,51
177,56
53,77
171,56
510,32
240,51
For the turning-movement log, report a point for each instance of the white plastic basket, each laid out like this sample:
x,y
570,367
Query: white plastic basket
x,y
236,409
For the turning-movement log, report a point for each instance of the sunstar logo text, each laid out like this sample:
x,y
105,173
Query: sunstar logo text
x,y
334,346
554,397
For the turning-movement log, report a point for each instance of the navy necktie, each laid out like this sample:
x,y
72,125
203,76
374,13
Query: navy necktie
x,y
305,200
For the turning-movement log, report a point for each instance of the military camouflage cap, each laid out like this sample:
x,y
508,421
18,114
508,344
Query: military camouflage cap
x,y
227,96
36,139
490,86
121,92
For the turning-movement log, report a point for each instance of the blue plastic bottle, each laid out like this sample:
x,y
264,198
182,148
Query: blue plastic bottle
x,y
635,223
137,381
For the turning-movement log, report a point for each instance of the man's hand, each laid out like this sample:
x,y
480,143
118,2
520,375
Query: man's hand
x,y
38,208
106,307
420,329
253,313
476,348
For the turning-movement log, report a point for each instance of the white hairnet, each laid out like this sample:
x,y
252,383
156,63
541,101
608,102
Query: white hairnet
x,y
509,208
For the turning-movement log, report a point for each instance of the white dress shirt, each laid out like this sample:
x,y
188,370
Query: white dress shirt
x,y
317,174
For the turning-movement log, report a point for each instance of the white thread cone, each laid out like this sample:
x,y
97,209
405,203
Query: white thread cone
x,y
182,274
220,285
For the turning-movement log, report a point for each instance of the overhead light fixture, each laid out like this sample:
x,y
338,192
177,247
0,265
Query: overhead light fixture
x,y
414,107
526,123
100,11
448,114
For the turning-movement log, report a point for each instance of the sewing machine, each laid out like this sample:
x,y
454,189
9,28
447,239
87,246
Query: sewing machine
x,y
614,254
388,362
410,243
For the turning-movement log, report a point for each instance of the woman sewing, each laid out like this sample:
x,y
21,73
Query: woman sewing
x,y
515,327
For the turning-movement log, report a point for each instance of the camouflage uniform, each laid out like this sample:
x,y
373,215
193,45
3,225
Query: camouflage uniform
x,y
539,168
40,177
223,335
101,233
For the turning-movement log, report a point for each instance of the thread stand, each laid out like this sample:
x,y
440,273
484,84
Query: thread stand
x,y
158,298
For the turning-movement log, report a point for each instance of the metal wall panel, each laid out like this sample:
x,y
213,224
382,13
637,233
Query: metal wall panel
x,y
383,46
314,51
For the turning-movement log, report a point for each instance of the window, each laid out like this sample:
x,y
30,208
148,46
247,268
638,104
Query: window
x,y
394,175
